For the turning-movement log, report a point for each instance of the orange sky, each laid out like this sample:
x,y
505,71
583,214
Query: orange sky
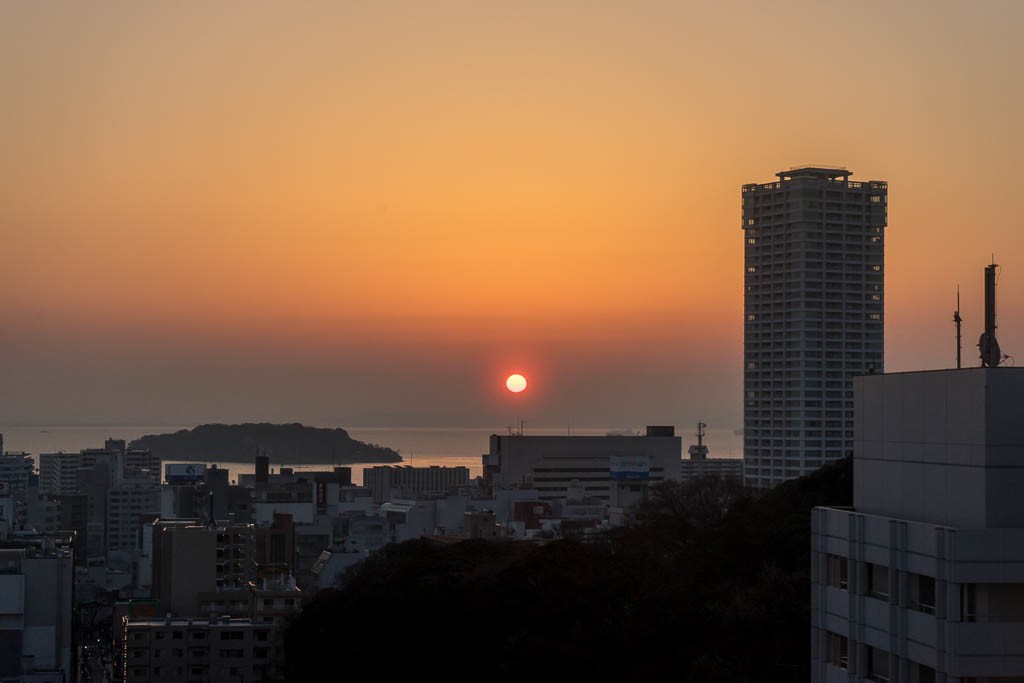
x,y
366,213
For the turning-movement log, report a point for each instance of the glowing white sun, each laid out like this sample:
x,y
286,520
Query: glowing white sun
x,y
515,383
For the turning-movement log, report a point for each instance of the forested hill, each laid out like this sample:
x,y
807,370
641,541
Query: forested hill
x,y
713,587
286,444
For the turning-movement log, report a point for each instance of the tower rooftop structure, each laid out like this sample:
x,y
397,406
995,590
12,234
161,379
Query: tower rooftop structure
x,y
827,172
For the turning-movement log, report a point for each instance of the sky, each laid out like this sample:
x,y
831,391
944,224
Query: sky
x,y
369,214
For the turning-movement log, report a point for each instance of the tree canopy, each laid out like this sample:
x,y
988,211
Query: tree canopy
x,y
712,585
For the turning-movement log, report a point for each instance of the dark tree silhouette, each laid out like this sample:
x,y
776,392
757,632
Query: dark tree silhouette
x,y
712,586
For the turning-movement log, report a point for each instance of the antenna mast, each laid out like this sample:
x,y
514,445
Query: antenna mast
x,y
957,320
991,356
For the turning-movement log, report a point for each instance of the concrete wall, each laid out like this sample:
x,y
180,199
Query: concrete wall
x,y
944,447
990,642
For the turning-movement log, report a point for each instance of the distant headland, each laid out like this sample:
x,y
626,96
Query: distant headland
x,y
286,444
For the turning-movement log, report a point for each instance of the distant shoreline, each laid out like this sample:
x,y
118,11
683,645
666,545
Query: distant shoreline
x,y
283,444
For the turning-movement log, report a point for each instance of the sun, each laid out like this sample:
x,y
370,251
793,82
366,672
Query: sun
x,y
515,383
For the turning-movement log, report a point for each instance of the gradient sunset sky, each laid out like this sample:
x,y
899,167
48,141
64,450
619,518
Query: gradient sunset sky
x,y
368,214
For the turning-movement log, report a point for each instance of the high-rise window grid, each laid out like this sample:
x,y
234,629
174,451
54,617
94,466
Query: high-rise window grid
x,y
813,315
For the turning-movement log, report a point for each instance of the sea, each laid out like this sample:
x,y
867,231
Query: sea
x,y
418,446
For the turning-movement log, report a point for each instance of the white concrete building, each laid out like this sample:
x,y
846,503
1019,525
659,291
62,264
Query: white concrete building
x,y
923,580
552,465
813,261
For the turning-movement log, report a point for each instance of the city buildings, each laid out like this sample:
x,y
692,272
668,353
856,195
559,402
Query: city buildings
x,y
813,308
923,579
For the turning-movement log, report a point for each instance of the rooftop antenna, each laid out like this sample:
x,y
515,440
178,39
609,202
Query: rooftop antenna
x,y
700,451
987,344
957,320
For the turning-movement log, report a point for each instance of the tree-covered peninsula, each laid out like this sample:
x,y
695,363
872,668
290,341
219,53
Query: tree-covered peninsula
x,y
285,444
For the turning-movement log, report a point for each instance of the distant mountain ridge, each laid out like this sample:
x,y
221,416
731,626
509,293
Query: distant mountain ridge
x,y
286,444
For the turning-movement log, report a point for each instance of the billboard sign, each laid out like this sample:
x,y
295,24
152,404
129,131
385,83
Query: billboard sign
x,y
143,608
630,468
184,472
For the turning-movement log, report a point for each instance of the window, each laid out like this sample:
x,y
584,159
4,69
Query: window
x,y
836,650
878,581
178,635
922,593
919,673
878,665
836,571
969,602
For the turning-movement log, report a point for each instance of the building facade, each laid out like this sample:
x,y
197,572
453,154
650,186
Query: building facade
x,y
216,649
726,468
15,473
922,580
404,481
552,465
813,309
36,614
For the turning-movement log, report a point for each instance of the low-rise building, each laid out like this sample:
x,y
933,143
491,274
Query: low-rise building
x,y
726,468
553,464
179,650
405,481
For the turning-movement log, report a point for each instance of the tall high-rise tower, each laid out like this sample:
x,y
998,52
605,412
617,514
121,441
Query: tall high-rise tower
x,y
813,307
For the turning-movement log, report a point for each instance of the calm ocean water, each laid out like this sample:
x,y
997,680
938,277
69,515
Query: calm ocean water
x,y
419,446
